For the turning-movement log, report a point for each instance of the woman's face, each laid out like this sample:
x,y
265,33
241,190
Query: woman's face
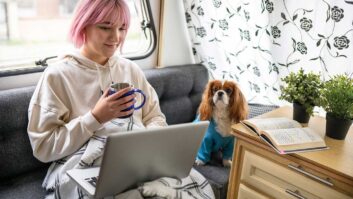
x,y
102,40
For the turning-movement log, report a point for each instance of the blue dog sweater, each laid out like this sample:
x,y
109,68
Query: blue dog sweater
x,y
213,142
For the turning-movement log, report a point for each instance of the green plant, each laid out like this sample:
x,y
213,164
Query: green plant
x,y
337,97
302,89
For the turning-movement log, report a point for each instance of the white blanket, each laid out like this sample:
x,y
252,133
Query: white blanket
x,y
60,186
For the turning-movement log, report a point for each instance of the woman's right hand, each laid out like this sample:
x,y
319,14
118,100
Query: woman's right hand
x,y
110,107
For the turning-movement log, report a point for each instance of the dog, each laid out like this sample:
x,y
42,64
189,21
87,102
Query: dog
x,y
223,104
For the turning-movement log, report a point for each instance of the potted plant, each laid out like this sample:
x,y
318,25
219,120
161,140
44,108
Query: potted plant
x,y
303,91
337,100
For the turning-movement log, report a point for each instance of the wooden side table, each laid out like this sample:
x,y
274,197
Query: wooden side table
x,y
259,172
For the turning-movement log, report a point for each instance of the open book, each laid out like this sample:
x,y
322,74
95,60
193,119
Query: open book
x,y
285,135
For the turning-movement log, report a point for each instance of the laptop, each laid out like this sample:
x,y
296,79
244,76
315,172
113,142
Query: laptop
x,y
134,157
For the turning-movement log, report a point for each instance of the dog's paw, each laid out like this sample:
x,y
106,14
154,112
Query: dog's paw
x,y
155,188
199,162
227,163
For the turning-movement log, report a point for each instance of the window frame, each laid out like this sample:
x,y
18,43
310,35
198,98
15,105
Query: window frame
x,y
148,16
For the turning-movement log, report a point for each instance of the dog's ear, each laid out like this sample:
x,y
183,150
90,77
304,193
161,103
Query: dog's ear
x,y
206,107
238,109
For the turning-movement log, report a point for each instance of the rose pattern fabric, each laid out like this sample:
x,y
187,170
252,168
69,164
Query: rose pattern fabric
x,y
269,6
336,13
275,32
306,24
200,11
201,32
341,42
217,3
223,24
301,47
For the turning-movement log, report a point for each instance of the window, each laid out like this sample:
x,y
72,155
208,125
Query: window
x,y
32,30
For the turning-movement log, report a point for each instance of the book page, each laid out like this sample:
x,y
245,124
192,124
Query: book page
x,y
274,123
293,136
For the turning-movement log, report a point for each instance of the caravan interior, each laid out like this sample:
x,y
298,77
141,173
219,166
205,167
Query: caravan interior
x,y
180,46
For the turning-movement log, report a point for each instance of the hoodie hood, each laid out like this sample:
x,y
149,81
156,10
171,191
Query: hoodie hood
x,y
103,71
83,61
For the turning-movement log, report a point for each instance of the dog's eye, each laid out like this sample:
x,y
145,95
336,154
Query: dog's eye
x,y
229,91
214,90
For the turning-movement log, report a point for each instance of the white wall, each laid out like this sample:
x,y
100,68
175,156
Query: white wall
x,y
176,45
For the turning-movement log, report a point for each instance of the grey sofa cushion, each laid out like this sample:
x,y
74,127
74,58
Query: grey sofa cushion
x,y
179,89
216,174
25,186
15,151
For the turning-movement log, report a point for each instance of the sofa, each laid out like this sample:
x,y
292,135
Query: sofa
x,y
179,89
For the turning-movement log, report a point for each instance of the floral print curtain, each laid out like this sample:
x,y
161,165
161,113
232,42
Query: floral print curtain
x,y
257,42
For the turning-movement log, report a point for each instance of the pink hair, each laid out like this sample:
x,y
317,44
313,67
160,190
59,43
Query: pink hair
x,y
89,12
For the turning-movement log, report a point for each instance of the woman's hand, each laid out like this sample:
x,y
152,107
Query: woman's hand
x,y
110,107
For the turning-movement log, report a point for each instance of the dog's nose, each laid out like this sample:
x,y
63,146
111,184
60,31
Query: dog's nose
x,y
220,94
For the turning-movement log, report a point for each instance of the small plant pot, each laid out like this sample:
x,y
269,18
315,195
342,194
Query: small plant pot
x,y
300,114
337,128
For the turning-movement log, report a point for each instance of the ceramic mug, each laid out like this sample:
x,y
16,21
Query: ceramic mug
x,y
119,86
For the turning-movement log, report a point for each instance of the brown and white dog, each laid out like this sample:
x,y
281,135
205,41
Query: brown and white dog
x,y
223,104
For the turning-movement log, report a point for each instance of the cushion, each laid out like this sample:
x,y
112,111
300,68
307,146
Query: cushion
x,y
24,186
179,89
15,150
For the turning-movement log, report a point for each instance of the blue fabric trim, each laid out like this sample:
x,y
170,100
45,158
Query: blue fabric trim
x,y
214,142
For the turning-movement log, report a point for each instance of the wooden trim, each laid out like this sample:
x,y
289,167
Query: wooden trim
x,y
160,34
234,171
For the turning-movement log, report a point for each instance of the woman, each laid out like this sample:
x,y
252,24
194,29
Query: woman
x,y
71,104
71,112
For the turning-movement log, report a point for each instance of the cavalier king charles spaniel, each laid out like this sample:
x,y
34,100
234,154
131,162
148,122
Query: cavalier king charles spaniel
x,y
223,104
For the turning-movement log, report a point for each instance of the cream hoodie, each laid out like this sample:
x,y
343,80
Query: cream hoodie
x,y
59,114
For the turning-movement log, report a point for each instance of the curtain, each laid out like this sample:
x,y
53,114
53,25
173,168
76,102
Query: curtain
x,y
258,42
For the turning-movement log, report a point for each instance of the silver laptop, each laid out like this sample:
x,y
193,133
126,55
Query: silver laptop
x,y
134,157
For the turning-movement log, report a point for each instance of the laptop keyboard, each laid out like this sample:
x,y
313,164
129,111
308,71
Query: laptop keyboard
x,y
92,180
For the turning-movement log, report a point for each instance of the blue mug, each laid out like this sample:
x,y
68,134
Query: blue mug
x,y
118,86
